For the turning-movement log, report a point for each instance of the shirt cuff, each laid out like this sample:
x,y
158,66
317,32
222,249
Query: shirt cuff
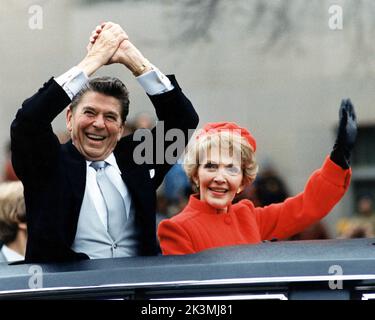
x,y
155,82
72,81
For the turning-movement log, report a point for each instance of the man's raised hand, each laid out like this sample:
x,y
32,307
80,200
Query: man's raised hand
x,y
126,54
104,42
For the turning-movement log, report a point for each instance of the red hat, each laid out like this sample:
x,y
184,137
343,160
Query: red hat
x,y
214,127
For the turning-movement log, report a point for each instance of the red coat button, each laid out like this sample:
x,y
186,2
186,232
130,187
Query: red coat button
x,y
228,220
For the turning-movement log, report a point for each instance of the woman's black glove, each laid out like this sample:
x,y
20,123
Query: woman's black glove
x,y
346,135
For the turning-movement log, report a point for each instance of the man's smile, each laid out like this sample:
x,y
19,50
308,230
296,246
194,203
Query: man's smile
x,y
95,137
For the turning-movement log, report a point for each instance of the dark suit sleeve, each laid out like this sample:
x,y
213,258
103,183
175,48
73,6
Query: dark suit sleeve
x,y
177,121
34,146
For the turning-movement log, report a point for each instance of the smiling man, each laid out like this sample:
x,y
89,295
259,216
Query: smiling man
x,y
96,116
89,198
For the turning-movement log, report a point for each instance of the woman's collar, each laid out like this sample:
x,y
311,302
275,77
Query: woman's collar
x,y
203,206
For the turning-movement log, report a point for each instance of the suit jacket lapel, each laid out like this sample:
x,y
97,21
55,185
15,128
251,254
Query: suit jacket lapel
x,y
137,179
76,171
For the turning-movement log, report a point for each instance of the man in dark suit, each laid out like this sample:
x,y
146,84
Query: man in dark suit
x,y
68,214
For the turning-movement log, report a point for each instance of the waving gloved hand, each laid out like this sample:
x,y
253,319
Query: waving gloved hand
x,y
346,135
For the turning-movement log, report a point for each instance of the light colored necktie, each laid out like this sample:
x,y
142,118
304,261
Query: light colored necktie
x,y
116,211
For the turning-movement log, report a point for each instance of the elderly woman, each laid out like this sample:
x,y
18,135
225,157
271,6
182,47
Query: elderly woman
x,y
221,163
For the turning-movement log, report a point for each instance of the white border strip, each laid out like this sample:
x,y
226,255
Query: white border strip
x,y
266,296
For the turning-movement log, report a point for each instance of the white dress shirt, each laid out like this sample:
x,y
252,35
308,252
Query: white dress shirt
x,y
11,255
153,82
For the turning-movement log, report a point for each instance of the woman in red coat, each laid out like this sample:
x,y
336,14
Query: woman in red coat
x,y
221,163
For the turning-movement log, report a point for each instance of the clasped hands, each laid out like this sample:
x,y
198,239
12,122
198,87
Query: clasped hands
x,y
109,44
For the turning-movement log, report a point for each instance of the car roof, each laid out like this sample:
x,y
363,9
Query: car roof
x,y
267,264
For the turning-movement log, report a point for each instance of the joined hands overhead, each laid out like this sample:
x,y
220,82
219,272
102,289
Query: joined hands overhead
x,y
109,44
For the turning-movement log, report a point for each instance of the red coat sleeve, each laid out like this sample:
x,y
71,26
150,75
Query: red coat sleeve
x,y
322,192
174,239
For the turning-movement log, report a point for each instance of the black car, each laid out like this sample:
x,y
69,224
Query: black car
x,y
285,270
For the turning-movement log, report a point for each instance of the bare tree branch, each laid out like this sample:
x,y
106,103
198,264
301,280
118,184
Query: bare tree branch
x,y
196,19
282,23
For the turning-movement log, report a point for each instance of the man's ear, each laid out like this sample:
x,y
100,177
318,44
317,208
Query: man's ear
x,y
69,115
121,131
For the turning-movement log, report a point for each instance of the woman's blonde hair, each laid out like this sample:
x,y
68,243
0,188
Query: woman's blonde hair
x,y
12,210
226,142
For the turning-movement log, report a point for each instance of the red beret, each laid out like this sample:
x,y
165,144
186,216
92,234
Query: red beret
x,y
214,127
